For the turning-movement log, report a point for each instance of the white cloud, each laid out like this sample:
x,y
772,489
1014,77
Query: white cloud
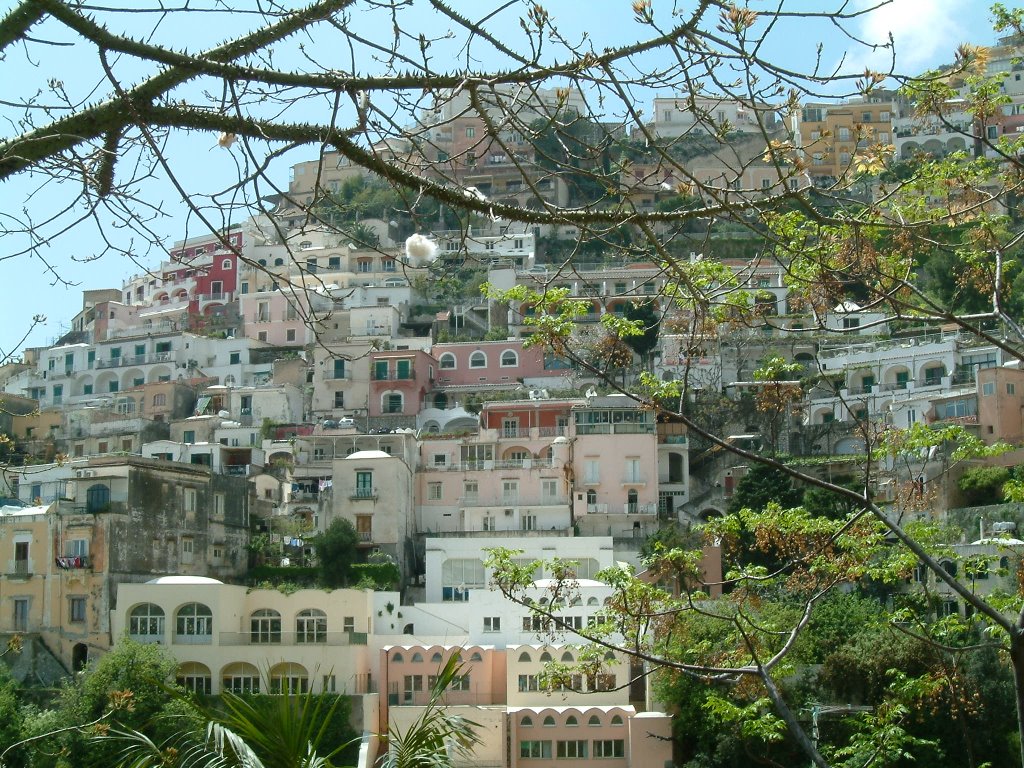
x,y
925,33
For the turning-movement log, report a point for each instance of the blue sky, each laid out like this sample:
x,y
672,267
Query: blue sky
x,y
926,33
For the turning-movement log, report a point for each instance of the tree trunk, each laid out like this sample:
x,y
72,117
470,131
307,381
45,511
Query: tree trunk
x,y
1017,659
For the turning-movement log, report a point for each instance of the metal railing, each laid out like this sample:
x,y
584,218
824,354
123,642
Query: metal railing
x,y
292,637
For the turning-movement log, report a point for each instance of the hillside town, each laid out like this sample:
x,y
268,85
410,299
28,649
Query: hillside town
x,y
172,460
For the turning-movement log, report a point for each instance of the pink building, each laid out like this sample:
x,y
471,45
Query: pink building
x,y
399,382
277,317
489,362
614,467
551,466
524,722
513,475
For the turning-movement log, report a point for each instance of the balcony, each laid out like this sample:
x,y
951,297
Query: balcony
x,y
119,362
363,493
72,562
393,375
649,508
19,569
293,638
365,537
634,478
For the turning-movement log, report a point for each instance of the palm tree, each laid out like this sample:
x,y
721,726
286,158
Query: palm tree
x,y
434,738
279,731
288,731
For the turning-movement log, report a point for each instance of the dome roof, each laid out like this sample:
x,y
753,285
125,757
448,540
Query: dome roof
x,y
184,580
369,455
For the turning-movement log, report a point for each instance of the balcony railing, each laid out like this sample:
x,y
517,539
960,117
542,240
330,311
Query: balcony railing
x,y
118,362
393,375
365,536
363,493
72,562
292,637
19,567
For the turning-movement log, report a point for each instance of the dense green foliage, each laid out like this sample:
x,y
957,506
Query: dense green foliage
x,y
336,551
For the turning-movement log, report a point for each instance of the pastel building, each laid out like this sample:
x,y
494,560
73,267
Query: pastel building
x,y
233,638
615,492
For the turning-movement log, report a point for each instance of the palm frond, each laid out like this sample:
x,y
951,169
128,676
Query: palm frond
x,y
436,736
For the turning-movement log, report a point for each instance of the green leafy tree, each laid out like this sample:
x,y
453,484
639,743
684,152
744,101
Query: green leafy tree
x,y
337,548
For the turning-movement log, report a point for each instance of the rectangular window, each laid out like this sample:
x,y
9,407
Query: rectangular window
x,y
988,388
290,334
572,749
76,609
510,491
339,369
470,491
610,748
339,399
187,550
492,623
591,472
218,504
1011,389
535,750
380,370
188,436
549,491
434,491
188,496
364,485
403,369
529,683
20,614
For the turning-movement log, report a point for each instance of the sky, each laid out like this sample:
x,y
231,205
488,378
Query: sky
x,y
926,33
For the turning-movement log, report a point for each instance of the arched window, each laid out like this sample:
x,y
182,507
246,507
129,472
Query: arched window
x,y
193,624
524,658
572,721
609,656
240,677
226,264
549,722
159,399
398,658
1004,563
194,677
591,496
592,601
478,360
545,657
476,656
509,359
631,501
949,567
567,658
594,720
437,658
392,402
447,361
146,623
97,498
311,626
289,678
265,626
526,722
417,657
616,719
